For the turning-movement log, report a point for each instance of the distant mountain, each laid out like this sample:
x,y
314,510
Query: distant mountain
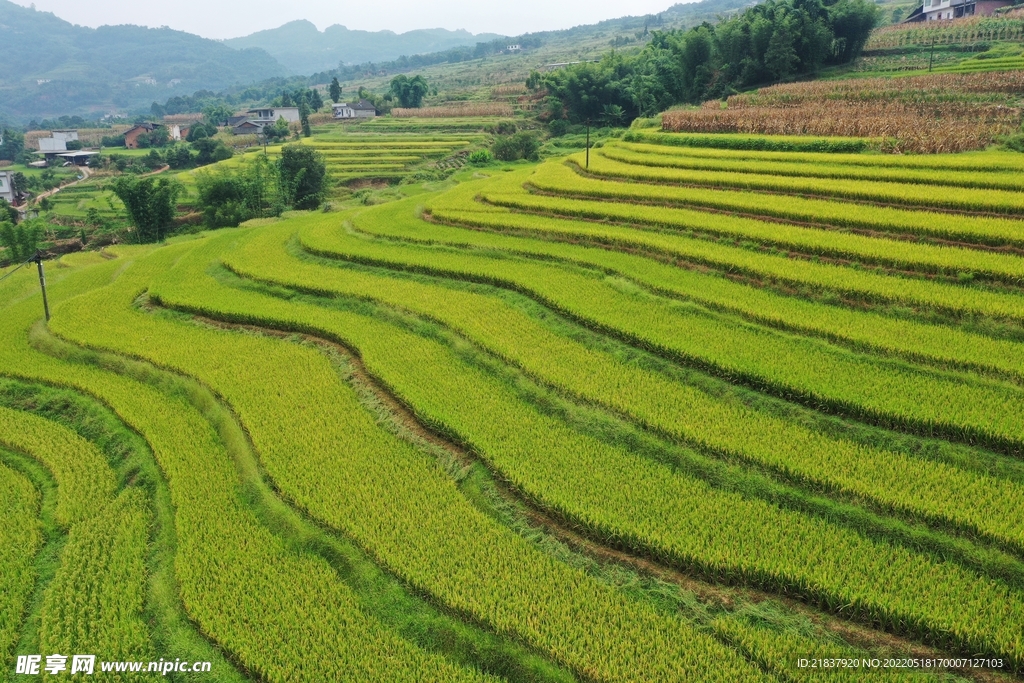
x,y
305,50
51,67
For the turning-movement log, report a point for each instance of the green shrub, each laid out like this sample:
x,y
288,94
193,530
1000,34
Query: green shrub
x,y
558,127
480,157
514,147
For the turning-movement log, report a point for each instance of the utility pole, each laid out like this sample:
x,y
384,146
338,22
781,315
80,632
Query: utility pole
x,y
42,283
588,143
931,54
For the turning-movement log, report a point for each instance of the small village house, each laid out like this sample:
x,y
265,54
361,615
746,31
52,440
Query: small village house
x,y
363,109
6,186
131,136
53,145
935,10
248,127
270,115
58,141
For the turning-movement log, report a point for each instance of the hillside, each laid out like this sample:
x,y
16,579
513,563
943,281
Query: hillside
x,y
458,71
303,49
52,67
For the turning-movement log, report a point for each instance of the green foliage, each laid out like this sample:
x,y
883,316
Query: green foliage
x,y
150,204
21,241
279,131
210,151
522,145
316,101
179,157
158,137
304,119
112,141
8,213
409,91
200,130
303,176
216,114
228,198
480,157
12,146
335,90
768,42
19,183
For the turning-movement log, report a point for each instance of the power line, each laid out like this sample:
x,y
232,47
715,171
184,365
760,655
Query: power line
x,y
18,268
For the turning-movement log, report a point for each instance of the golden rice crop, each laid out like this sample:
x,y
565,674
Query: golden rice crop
x,y
459,109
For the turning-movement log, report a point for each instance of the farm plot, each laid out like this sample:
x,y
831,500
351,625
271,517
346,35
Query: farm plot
x,y
784,378
356,155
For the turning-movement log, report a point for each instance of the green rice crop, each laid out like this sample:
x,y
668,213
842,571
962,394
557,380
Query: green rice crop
x,y
990,161
837,278
898,253
884,390
921,341
559,179
95,601
888,193
392,499
893,479
272,608
650,155
20,539
781,143
619,494
85,481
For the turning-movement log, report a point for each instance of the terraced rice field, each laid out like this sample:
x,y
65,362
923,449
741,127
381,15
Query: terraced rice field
x,y
673,414
358,154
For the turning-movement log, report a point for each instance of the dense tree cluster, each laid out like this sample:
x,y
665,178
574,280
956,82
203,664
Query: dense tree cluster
x,y
409,92
767,43
150,203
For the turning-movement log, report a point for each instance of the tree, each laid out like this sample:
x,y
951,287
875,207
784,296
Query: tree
x,y
7,212
316,102
19,184
210,151
771,40
12,145
781,58
513,147
228,198
21,240
198,131
302,176
278,131
217,115
409,91
158,137
335,90
150,204
304,119
179,157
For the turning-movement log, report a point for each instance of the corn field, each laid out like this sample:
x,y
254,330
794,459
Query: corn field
x,y
941,113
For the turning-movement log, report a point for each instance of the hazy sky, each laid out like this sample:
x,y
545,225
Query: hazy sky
x,y
222,19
